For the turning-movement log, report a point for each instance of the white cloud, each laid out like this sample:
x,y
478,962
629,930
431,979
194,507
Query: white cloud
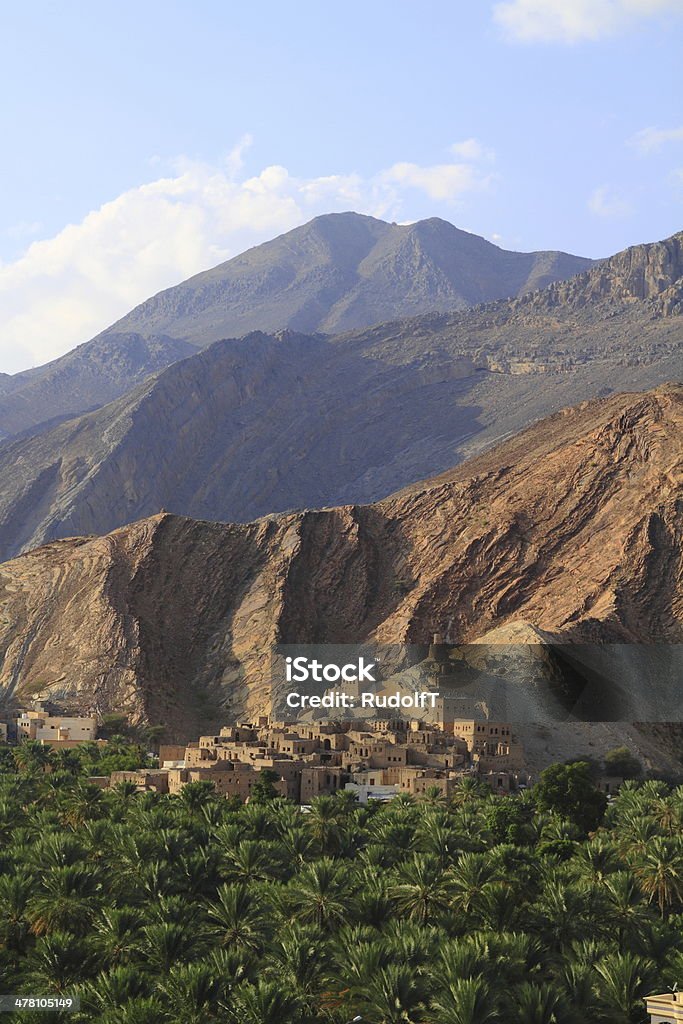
x,y
471,149
441,182
606,202
650,139
63,290
573,21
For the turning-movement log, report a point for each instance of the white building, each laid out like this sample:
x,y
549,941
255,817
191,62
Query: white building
x,y
665,1009
36,725
365,793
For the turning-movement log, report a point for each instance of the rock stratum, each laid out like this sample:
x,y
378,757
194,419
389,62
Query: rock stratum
x,y
652,273
338,272
276,422
573,528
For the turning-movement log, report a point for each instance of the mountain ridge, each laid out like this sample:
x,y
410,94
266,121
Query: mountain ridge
x,y
455,257
574,527
336,272
269,423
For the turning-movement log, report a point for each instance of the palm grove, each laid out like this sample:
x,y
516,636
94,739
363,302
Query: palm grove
x,y
546,907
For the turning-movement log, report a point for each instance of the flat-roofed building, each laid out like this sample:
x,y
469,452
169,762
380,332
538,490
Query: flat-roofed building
x,y
36,725
320,779
144,779
665,1009
229,778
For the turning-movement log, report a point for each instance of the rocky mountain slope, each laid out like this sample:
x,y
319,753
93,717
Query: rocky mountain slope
x,y
271,423
343,271
652,273
86,378
338,272
574,527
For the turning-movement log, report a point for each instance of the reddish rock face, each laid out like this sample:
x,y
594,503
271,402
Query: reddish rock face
x,y
574,526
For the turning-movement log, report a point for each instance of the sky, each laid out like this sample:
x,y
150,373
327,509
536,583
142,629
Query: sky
x,y
144,142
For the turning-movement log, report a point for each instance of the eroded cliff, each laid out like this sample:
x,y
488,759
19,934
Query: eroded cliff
x,y
574,526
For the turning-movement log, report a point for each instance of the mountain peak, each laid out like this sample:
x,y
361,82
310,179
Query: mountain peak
x,y
359,277
338,272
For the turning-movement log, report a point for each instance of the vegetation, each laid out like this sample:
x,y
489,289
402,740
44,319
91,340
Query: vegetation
x,y
118,755
621,761
479,910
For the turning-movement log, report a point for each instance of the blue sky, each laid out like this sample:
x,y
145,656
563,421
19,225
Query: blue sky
x,y
145,142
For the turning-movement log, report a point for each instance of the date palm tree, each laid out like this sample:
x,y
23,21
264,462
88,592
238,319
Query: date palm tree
x,y
57,850
117,935
668,813
266,1002
499,909
660,941
83,803
421,890
635,835
577,981
252,861
659,871
465,1001
191,992
596,859
297,845
469,789
66,901
624,980
320,894
393,995
357,956
300,961
259,821
167,943
139,1010
15,891
113,988
198,873
459,959
12,814
31,756
624,907
543,1004
470,879
372,904
564,912
324,824
238,917
438,839
58,963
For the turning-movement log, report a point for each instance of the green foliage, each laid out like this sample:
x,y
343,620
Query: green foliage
x,y
568,790
189,909
263,789
621,761
112,724
119,755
